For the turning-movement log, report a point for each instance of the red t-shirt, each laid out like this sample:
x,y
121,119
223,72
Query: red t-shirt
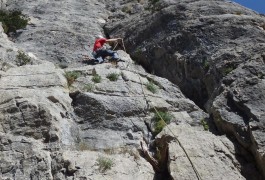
x,y
99,43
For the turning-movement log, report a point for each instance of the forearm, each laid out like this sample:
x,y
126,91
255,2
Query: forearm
x,y
113,40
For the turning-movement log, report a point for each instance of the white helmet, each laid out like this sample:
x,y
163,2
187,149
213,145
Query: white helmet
x,y
99,36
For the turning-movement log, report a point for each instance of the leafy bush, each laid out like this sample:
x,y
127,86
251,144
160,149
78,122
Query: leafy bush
x,y
227,70
205,64
104,163
151,87
12,21
113,76
205,125
159,125
71,76
22,59
96,78
161,120
89,87
163,115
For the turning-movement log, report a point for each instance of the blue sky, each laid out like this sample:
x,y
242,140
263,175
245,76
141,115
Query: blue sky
x,y
256,5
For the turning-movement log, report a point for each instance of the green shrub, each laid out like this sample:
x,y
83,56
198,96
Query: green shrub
x,y
227,70
96,78
71,76
151,87
163,115
13,20
205,125
104,163
161,120
206,64
113,76
89,87
159,125
22,59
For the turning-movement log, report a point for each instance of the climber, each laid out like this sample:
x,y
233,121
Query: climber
x,y
100,53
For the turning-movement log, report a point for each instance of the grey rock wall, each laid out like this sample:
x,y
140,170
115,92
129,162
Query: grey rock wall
x,y
50,129
214,51
60,31
214,152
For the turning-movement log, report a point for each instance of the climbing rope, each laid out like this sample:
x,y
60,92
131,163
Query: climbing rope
x,y
123,45
117,45
180,144
193,166
150,105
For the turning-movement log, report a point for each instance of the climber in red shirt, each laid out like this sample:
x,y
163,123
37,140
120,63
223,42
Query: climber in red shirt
x,y
100,53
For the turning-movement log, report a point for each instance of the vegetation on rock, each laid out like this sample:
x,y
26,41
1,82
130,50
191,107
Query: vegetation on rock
x,y
151,87
113,76
161,119
71,76
205,125
22,59
96,78
12,21
104,163
89,87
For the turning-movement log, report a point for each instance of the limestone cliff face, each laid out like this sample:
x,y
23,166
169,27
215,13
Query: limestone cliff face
x,y
54,126
214,51
60,31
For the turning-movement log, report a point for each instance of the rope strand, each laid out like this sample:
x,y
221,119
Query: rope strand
x,y
180,144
